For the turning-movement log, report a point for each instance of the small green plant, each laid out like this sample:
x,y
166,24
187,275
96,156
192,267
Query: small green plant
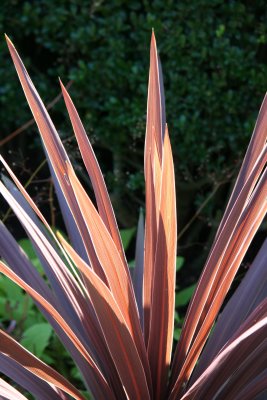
x,y
118,326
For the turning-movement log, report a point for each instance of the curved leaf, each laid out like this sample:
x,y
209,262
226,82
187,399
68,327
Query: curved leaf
x,y
24,357
9,347
220,269
116,332
163,294
103,201
238,363
251,291
155,129
7,392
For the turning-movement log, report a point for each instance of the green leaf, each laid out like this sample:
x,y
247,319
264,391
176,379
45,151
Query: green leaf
x,y
36,338
183,297
26,245
75,373
179,263
2,307
177,317
86,395
126,236
47,359
12,292
177,333
19,309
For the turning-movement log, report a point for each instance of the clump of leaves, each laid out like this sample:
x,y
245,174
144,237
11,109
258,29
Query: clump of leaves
x,y
117,327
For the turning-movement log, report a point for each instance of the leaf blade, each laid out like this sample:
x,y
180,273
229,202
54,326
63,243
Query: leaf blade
x,y
9,393
118,337
163,294
14,350
245,299
103,201
251,344
24,354
155,128
218,265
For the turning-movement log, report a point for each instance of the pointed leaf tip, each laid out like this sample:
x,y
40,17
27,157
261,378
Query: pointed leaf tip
x,y
153,38
9,42
62,87
64,90
61,84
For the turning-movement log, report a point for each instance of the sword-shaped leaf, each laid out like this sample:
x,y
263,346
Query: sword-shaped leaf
x,y
70,302
32,383
163,293
118,337
9,393
28,361
251,291
152,165
57,155
103,201
257,142
255,389
138,274
221,267
110,260
24,357
241,361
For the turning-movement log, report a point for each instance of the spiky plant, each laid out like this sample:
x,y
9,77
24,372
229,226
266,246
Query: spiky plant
x,y
119,330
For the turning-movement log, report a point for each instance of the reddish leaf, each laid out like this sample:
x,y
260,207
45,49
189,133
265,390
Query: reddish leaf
x,y
100,382
241,361
110,260
7,392
71,303
155,109
39,388
151,232
155,127
28,361
103,201
251,291
231,239
254,388
55,151
116,332
255,147
163,299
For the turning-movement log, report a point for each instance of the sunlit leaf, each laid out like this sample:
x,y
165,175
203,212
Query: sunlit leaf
x,y
119,326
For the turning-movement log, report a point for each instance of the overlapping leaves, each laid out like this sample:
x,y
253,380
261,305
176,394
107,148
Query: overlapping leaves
x,y
118,331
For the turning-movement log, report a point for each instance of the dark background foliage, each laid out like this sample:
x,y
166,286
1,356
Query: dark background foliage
x,y
214,58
